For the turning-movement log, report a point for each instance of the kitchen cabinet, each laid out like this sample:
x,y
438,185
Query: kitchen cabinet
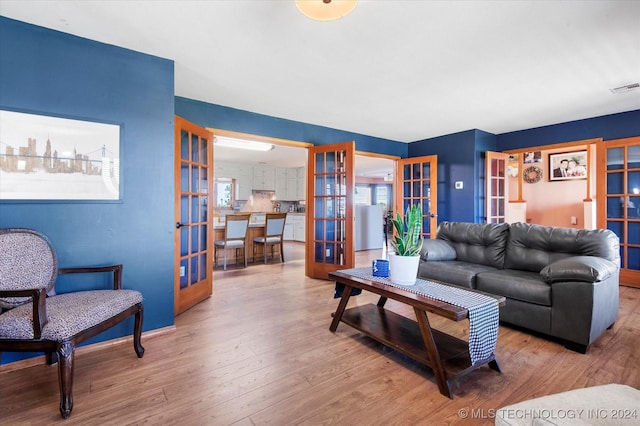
x,y
282,184
244,181
264,178
295,227
288,230
301,184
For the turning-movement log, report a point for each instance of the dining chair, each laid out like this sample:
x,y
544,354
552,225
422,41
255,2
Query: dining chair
x,y
235,234
273,230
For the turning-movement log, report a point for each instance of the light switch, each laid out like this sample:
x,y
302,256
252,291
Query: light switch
x,y
459,184
574,220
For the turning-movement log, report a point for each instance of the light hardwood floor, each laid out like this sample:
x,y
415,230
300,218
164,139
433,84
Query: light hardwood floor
x,y
259,352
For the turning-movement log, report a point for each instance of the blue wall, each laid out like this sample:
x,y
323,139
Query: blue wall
x,y
219,117
614,126
458,160
52,73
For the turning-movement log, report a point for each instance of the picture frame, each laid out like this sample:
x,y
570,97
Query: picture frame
x,y
44,157
568,166
531,157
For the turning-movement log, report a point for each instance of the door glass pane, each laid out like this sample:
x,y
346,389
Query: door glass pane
x,y
195,148
184,274
203,151
415,171
633,207
194,269
331,162
203,209
184,209
203,266
184,241
194,239
330,209
320,188
614,208
319,163
318,252
615,158
203,237
633,257
184,145
633,161
184,177
319,230
615,183
195,210
426,170
634,233
195,179
617,227
406,172
633,183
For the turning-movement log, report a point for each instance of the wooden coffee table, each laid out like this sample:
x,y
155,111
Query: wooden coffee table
x,y
446,355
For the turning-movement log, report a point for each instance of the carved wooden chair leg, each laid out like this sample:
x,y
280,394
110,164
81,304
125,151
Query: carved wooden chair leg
x,y
137,332
65,354
282,251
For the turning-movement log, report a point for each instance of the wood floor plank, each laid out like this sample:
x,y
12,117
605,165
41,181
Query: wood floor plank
x,y
259,352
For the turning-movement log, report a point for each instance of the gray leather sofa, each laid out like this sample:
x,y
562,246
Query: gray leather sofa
x,y
561,282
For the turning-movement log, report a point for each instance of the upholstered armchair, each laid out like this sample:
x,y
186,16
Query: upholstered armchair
x,y
34,319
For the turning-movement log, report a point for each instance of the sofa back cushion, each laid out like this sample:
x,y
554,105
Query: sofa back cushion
x,y
481,243
532,247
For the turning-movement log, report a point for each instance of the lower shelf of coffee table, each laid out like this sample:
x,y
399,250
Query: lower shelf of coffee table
x,y
403,334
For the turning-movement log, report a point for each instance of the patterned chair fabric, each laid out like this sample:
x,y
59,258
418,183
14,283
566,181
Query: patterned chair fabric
x,y
27,260
35,319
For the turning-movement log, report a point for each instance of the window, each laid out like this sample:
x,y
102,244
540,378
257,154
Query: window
x,y
224,189
363,195
382,195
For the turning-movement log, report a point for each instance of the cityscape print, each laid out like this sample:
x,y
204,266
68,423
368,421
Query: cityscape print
x,y
43,157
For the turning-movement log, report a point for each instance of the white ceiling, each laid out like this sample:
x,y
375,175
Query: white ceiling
x,y
401,70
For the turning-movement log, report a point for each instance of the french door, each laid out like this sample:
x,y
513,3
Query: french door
x,y
417,183
497,189
193,237
330,212
619,195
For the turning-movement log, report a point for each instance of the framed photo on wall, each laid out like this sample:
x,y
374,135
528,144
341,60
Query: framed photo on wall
x,y
52,158
568,165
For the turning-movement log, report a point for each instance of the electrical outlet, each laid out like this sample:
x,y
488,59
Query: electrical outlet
x,y
574,220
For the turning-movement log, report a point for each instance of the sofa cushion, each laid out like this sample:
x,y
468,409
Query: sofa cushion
x,y
532,247
437,250
520,285
454,272
480,243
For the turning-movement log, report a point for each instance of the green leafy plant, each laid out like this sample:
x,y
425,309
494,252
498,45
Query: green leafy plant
x,y
406,239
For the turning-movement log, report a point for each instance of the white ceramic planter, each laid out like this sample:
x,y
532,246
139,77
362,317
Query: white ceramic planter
x,y
403,270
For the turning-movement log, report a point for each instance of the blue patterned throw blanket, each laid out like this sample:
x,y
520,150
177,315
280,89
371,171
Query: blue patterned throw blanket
x,y
483,310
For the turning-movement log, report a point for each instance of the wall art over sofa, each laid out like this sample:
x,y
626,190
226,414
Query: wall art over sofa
x,y
52,158
568,165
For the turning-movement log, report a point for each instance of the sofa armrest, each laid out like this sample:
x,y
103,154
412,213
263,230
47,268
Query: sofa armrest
x,y
437,250
39,311
588,269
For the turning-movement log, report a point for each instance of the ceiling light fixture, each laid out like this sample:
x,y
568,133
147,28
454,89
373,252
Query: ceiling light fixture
x,y
242,144
626,88
326,10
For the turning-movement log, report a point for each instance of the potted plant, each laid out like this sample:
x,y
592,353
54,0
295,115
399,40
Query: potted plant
x,y
407,243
